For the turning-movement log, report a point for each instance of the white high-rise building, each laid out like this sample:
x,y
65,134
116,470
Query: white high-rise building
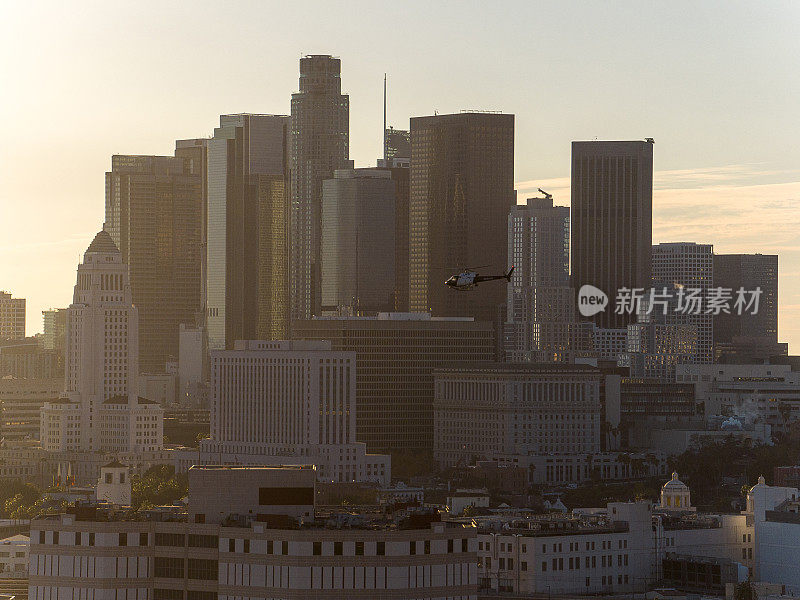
x,y
289,402
540,323
101,409
689,265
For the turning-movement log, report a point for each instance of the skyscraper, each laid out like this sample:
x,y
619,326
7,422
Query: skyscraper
x,y
101,409
398,143
540,318
358,229
12,317
462,187
246,252
400,168
612,202
154,208
747,271
319,146
689,265
54,328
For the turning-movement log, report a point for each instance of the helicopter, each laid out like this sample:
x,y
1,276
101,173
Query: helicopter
x,y
469,279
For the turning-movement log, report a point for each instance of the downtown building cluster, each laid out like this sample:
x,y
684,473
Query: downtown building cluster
x,y
259,278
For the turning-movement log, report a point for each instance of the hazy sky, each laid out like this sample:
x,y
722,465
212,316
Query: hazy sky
x,y
715,83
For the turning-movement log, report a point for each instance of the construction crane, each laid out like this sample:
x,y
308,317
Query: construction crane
x,y
546,195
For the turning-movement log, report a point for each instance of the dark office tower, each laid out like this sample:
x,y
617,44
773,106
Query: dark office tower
x,y
748,271
400,169
396,355
462,187
154,207
196,152
246,278
358,261
398,143
319,146
612,228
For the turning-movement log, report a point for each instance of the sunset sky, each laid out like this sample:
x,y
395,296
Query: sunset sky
x,y
715,83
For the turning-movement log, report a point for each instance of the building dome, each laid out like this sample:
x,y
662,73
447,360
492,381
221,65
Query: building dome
x,y
675,495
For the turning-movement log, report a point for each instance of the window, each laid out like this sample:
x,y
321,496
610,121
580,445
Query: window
x,y
55,537
744,553
427,546
231,545
91,539
544,566
381,549
359,548
170,539
197,595
143,539
523,565
269,546
77,538
510,564
285,547
41,537
161,594
450,545
524,548
203,568
109,478
412,547
502,562
317,549
203,541
164,566
247,546
337,548
464,545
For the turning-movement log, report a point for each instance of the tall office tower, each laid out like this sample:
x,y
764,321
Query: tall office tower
x,y
612,223
400,168
195,151
54,328
689,265
398,143
396,354
462,188
748,271
358,229
540,318
246,256
12,317
154,208
320,145
101,409
284,402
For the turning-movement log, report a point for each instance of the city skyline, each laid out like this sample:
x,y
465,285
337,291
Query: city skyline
x,y
717,180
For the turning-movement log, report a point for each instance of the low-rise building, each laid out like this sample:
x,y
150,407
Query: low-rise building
x,y
14,556
267,543
21,401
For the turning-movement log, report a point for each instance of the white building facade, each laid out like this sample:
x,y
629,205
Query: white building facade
x,y
289,402
102,409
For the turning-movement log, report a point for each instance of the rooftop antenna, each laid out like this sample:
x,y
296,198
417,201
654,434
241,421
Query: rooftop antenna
x,y
385,149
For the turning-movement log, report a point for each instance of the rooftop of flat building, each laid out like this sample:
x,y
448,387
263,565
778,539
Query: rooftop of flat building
x,y
325,518
498,367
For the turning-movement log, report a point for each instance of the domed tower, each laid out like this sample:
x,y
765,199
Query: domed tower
x,y
675,495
